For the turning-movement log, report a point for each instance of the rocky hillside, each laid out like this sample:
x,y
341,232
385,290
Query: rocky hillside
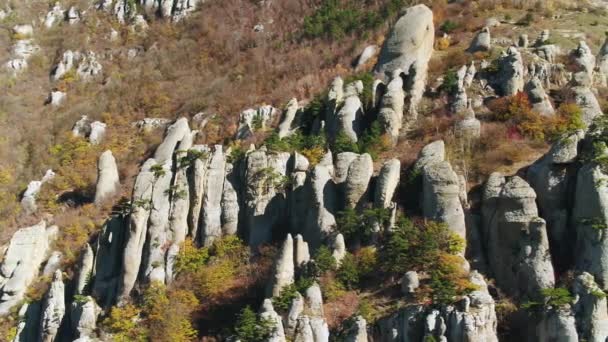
x,y
307,171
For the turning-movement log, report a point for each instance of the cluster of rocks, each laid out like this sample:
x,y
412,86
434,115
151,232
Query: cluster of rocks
x,y
23,48
125,10
58,14
93,131
85,66
28,200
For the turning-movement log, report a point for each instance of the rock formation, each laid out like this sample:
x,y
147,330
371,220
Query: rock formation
x,y
482,41
108,182
409,47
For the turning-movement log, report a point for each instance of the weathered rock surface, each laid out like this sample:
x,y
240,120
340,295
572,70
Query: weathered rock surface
x,y
392,104
590,309
557,325
25,254
482,41
359,175
386,183
83,317
251,120
286,127
409,47
108,182
540,101
511,72
28,201
53,309
517,242
284,271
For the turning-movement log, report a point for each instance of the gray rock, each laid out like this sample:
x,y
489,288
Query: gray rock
x,y
98,132
53,309
302,253
180,191
518,246
557,325
251,120
590,309
458,101
440,196
284,271
73,15
67,62
553,179
339,251
82,127
268,313
482,41
409,282
54,15
368,53
264,194
470,75
198,184
409,47
52,264
83,317
28,201
303,331
108,182
286,127
349,117
392,104
26,252
295,310
56,98
320,220
586,100
175,133
320,329
431,153
357,181
358,332
584,58
602,64
109,261
89,67
589,218
29,323
342,165
85,270
138,227
543,38
511,74
150,124
540,101
230,202
386,183
468,127
314,300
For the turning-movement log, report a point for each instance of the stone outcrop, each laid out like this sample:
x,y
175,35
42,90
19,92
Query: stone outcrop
x,y
602,64
482,41
409,47
284,270
540,101
268,313
83,318
56,14
358,331
107,272
85,270
584,58
53,309
590,309
585,98
339,251
289,124
368,53
468,127
392,104
320,220
511,72
473,319
589,217
357,181
28,201
553,178
28,249
108,182
386,183
440,190
557,325
516,238
251,120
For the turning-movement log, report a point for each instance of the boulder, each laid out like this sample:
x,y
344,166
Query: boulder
x,y
251,120
349,117
386,183
357,181
585,98
82,127
108,182
53,16
368,53
431,153
28,201
230,201
409,283
22,31
73,15
339,251
482,41
302,253
320,220
468,126
56,98
68,59
53,309
409,47
295,310
98,132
